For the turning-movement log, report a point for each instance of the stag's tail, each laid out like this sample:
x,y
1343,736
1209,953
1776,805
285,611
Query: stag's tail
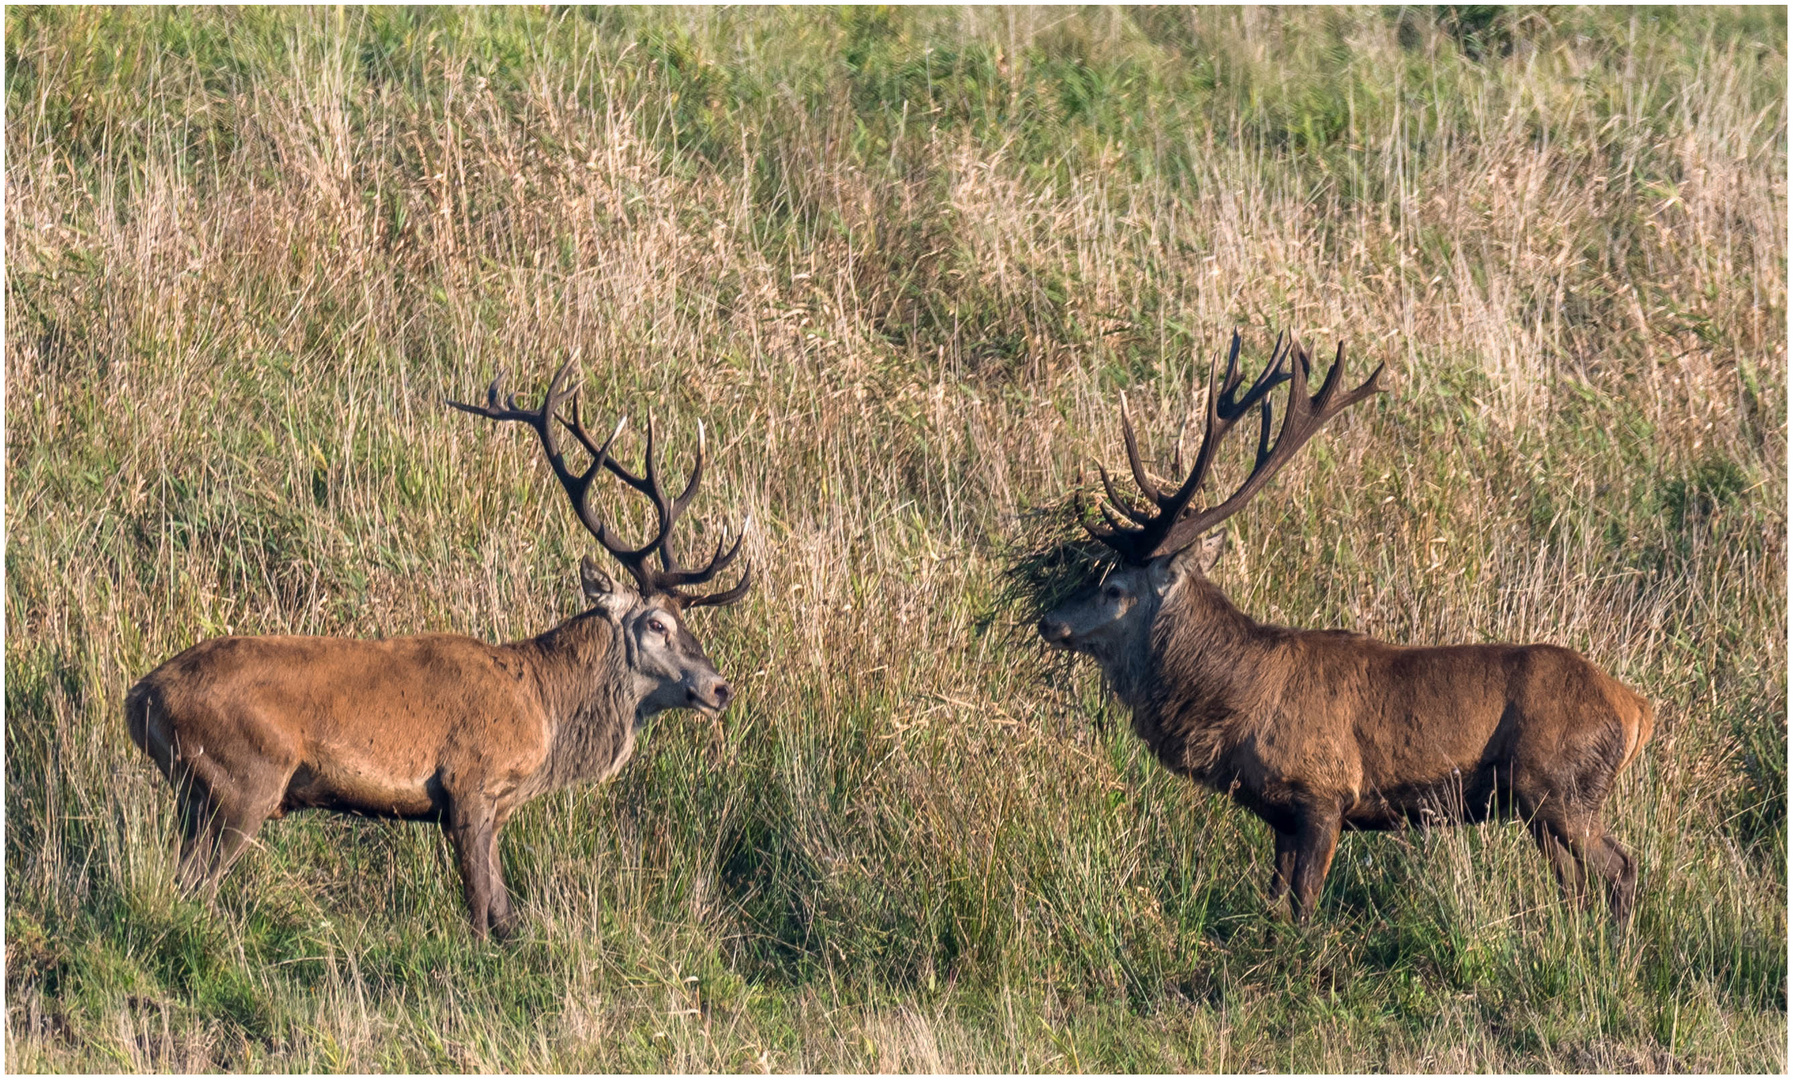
x,y
1640,722
137,715
143,711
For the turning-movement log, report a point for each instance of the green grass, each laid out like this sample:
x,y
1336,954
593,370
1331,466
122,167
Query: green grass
x,y
901,263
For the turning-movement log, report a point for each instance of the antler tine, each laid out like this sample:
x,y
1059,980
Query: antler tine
x,y
1140,517
1229,381
648,484
674,509
719,561
639,483
577,427
1115,533
670,575
697,475
1139,472
635,558
1263,433
1218,419
1115,525
721,598
1269,379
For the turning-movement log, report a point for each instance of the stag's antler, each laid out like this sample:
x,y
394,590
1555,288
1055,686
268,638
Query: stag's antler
x,y
1173,527
669,578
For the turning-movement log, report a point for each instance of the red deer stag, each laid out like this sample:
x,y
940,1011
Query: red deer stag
x,y
438,727
1318,731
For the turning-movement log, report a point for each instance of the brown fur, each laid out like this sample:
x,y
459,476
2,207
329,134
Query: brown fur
x,y
435,727
1318,731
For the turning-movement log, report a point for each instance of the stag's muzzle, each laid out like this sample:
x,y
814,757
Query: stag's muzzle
x,y
709,696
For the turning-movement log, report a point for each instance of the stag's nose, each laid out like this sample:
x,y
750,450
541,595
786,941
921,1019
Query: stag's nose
x,y
715,697
1055,631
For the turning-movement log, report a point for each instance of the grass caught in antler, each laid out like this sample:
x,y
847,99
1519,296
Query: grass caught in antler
x,y
901,264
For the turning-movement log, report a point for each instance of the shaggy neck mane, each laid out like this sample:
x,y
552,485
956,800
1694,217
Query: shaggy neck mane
x,y
1189,685
584,678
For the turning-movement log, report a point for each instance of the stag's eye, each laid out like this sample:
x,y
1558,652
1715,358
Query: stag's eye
x,y
658,626
1113,592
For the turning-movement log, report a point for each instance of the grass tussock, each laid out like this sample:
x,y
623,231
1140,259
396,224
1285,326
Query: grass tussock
x,y
901,263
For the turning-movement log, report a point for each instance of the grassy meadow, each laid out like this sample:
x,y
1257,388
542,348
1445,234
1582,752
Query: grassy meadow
x,y
902,263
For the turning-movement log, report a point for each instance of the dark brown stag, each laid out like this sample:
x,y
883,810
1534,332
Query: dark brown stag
x,y
439,727
1318,731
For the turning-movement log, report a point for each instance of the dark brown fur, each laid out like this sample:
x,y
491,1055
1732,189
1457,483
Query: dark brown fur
x,y
1318,731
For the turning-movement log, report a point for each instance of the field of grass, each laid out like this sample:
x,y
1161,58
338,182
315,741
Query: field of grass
x,y
901,263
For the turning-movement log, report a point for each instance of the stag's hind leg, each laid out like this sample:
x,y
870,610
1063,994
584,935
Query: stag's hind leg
x,y
223,793
215,835
1570,873
224,827
1576,847
1618,867
199,835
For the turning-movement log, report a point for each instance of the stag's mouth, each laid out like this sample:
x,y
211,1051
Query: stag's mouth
x,y
710,702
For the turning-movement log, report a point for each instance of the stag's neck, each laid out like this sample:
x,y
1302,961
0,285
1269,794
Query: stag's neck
x,y
591,697
1197,679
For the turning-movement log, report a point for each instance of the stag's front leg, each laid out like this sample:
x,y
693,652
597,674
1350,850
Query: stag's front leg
x,y
472,831
503,914
1316,838
1284,871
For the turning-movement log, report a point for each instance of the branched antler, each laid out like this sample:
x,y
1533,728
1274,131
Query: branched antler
x,y
669,578
1172,526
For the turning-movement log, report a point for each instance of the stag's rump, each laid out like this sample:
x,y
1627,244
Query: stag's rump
x,y
1413,734
367,726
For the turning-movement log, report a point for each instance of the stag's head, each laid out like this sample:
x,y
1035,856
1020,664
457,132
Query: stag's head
x,y
668,664
1109,617
1161,544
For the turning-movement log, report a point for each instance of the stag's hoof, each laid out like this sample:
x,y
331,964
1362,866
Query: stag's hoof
x,y
507,928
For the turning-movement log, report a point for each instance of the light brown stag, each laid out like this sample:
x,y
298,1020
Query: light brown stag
x,y
1318,731
439,727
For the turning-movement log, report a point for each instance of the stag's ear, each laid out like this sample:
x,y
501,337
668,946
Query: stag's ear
x,y
1197,558
1207,553
602,591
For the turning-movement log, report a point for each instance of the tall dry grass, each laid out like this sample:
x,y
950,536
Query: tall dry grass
x,y
901,264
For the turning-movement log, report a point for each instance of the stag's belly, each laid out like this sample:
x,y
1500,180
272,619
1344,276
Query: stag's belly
x,y
360,788
1471,796
414,764
1384,770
